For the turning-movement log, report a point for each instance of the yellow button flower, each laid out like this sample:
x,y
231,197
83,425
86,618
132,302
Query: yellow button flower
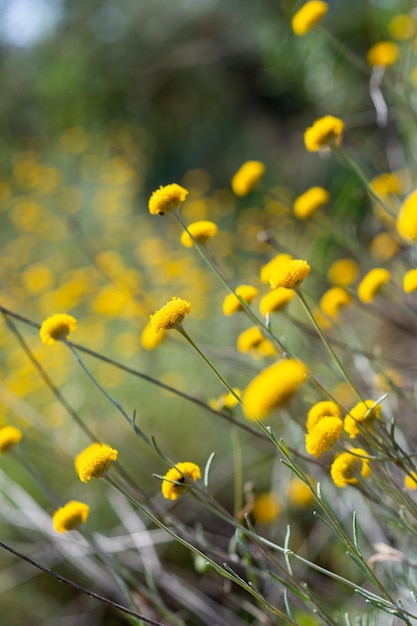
x,y
372,283
268,268
150,338
290,274
343,272
70,516
273,388
410,481
275,300
95,461
56,327
402,27
407,218
299,494
362,413
232,304
309,202
324,132
179,474
267,508
201,231
171,315
333,300
9,437
323,435
166,199
324,408
410,281
247,177
347,468
384,246
383,54
308,16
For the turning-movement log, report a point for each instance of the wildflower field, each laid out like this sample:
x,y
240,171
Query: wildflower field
x,y
208,399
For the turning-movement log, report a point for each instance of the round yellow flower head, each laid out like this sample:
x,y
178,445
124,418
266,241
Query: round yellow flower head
x,y
9,437
372,283
56,327
324,132
343,272
166,199
324,408
299,494
364,413
308,16
171,315
266,508
386,184
70,516
275,300
290,274
383,54
273,388
323,435
309,202
347,468
249,339
402,27
201,231
268,268
333,300
180,474
94,461
410,281
150,338
247,177
226,400
410,481
384,246
232,304
407,218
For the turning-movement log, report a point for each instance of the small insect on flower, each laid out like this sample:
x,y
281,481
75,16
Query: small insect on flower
x,y
94,461
308,16
166,199
324,132
70,516
171,315
201,231
56,327
175,480
347,468
9,436
247,177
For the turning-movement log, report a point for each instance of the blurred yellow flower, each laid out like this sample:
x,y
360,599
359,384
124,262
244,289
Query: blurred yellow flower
x,y
410,281
384,246
275,300
385,184
290,274
407,218
347,468
324,132
308,16
402,27
410,481
56,327
268,268
323,435
309,202
247,177
201,231
364,413
266,508
324,408
70,516
273,388
166,199
180,473
37,278
232,304
171,315
94,461
252,340
383,54
343,272
333,300
299,494
226,400
150,338
9,437
372,283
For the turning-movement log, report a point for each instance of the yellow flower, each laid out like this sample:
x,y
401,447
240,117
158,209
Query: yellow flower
x,y
383,54
323,435
268,268
252,340
343,272
166,199
410,481
387,380
347,468
364,413
94,461
299,494
150,338
290,274
171,315
56,327
266,508
324,408
9,437
180,473
201,231
275,300
37,278
324,132
232,304
410,281
70,515
402,27
383,246
372,283
407,218
333,299
308,203
273,388
226,400
386,184
247,177
308,16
